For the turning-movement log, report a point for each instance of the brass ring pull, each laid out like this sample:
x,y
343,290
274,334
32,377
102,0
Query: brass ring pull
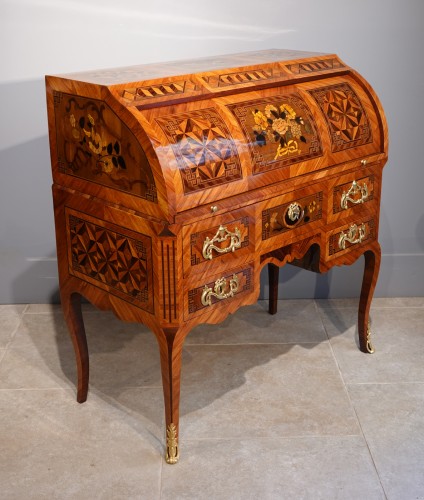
x,y
349,196
354,235
218,290
221,235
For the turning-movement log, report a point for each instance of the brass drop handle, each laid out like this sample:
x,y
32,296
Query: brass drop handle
x,y
214,208
349,196
363,162
219,290
221,235
355,234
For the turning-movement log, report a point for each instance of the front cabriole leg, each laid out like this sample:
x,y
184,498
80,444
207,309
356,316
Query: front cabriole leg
x,y
372,267
171,346
71,305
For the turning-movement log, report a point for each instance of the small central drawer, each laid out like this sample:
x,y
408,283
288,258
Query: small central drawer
x,y
225,240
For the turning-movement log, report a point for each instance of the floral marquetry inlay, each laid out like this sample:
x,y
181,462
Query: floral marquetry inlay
x,y
205,153
93,144
280,131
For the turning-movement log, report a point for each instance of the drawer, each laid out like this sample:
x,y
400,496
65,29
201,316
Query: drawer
x,y
226,240
212,294
350,194
287,213
351,235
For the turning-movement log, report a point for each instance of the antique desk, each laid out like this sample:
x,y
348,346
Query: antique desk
x,y
175,184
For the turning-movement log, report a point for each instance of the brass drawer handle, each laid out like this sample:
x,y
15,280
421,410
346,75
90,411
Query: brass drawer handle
x,y
295,213
353,235
221,235
348,196
218,290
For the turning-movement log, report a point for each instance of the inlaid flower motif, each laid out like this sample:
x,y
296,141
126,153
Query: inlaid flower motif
x,y
260,119
279,125
90,138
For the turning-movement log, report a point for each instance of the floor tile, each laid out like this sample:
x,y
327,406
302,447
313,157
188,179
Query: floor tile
x,y
57,308
41,354
52,447
296,321
263,390
397,336
304,468
377,302
10,317
392,419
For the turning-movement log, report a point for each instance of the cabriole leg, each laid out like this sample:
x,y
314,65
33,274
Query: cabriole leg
x,y
171,345
273,273
372,267
71,305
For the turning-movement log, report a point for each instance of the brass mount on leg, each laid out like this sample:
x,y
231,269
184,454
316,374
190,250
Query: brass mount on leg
x,y
369,346
172,453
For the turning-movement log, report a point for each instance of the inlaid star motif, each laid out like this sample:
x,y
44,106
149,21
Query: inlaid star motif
x,y
344,114
204,147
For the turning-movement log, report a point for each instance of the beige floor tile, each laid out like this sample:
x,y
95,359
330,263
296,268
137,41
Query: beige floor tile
x,y
270,469
56,308
53,447
392,419
263,390
16,308
10,317
41,354
377,303
397,336
296,321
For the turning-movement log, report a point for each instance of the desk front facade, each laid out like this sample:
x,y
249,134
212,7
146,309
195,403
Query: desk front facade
x,y
175,184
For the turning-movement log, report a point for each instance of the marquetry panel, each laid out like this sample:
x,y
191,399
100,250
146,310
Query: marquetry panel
x,y
244,280
205,152
286,217
347,121
108,257
279,131
162,89
95,145
359,233
314,66
244,77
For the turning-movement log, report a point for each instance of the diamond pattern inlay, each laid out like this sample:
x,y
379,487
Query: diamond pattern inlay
x,y
111,259
205,153
347,120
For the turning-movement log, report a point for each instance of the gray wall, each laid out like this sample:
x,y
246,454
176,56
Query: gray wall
x,y
382,39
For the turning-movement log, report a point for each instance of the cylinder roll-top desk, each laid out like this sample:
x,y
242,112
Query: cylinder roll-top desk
x,y
174,184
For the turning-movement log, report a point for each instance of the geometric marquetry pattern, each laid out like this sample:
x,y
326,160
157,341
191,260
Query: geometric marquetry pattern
x,y
162,89
205,152
243,77
346,118
314,66
112,260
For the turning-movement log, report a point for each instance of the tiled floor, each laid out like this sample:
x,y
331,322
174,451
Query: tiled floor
x,y
273,407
